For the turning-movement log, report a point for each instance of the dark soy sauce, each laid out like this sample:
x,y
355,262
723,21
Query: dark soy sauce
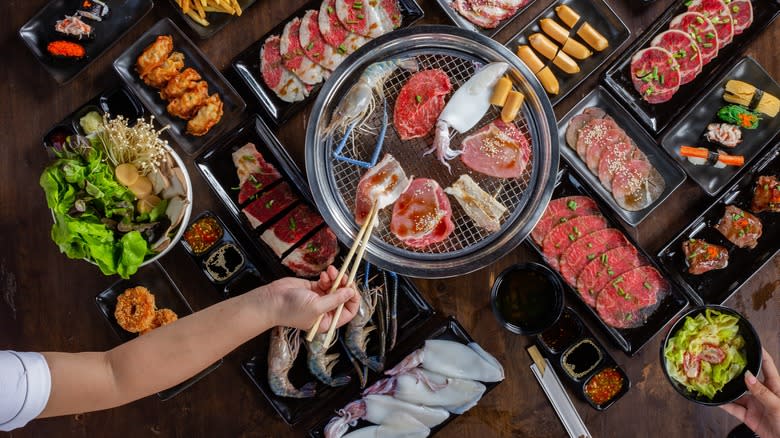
x,y
581,359
526,299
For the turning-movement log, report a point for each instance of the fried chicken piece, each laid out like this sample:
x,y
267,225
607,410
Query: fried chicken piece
x,y
186,105
154,55
161,317
160,75
180,83
208,116
134,310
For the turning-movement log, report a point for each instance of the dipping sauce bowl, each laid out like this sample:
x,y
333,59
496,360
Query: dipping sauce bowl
x,y
527,298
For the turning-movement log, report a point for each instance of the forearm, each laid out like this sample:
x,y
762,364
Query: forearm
x,y
85,382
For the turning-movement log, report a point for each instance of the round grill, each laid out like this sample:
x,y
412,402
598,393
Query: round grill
x,y
458,53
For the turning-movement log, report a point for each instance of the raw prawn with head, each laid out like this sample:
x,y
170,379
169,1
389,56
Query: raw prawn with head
x,y
383,410
321,363
285,344
357,331
453,359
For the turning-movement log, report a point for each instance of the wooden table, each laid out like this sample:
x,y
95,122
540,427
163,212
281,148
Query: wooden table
x,y
48,300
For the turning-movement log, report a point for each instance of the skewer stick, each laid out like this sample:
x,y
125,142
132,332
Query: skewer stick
x,y
358,238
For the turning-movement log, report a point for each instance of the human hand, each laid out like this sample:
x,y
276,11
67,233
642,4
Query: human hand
x,y
760,410
298,303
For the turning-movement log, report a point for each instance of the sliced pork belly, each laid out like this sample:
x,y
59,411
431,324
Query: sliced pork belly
x,y
314,255
383,184
422,215
270,204
281,81
497,149
291,228
294,58
254,173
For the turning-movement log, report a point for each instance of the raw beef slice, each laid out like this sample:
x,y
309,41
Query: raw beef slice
x,y
655,74
559,211
420,102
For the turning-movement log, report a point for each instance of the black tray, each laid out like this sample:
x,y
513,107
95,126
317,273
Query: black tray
x,y
233,105
656,117
601,16
578,385
448,329
166,295
632,340
716,287
671,172
688,131
247,64
217,21
413,313
463,23
39,31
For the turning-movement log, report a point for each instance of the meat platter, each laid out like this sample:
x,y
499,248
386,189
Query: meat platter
x,y
249,64
689,130
440,328
413,313
217,21
718,285
657,116
454,243
597,14
232,104
167,295
484,19
39,31
600,173
590,250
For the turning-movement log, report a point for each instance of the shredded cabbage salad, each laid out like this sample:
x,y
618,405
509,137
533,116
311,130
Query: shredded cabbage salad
x,y
706,353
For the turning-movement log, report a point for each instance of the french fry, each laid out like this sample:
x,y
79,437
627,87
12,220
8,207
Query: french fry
x,y
194,15
237,7
185,6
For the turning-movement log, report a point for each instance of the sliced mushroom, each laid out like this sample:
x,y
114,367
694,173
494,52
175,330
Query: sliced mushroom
x,y
177,206
160,182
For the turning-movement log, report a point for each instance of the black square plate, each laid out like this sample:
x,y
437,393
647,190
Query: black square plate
x,y
39,32
715,287
629,340
669,170
217,21
688,131
193,57
166,295
462,22
247,64
601,17
617,78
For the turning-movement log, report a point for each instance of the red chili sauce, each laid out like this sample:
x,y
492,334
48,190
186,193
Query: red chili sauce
x,y
203,234
604,386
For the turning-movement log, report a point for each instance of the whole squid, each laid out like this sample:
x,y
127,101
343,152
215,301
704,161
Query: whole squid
x,y
453,359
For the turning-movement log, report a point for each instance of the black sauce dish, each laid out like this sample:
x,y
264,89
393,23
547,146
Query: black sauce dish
x,y
735,388
531,291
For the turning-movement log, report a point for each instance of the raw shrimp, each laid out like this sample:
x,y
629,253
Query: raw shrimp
x,y
285,344
453,359
382,410
360,100
466,107
357,331
321,363
402,425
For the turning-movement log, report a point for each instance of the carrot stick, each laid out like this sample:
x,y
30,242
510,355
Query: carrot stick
x,y
729,160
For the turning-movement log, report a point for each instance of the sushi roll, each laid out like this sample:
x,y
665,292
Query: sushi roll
x,y
73,26
61,49
93,9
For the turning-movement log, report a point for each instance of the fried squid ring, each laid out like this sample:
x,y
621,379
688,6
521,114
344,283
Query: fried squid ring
x,y
135,310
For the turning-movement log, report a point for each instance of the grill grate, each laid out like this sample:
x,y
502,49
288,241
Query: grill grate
x,y
409,153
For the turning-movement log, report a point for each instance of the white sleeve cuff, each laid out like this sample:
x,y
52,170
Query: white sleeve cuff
x,y
25,385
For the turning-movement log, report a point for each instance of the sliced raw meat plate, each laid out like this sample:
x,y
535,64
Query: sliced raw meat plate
x,y
720,16
466,9
249,161
291,228
655,74
593,130
559,211
701,30
579,121
685,52
741,14
597,273
563,235
314,45
293,56
601,144
497,149
491,8
383,183
281,81
389,14
420,102
613,159
360,17
422,215
636,185
314,255
620,302
588,248
334,33
270,204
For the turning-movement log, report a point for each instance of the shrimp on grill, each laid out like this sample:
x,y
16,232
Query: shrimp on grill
x,y
285,344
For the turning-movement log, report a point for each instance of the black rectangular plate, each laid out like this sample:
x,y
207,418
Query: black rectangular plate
x,y
233,105
617,78
39,31
671,172
166,295
413,313
448,329
578,386
463,23
247,64
217,21
629,340
601,17
715,287
688,131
